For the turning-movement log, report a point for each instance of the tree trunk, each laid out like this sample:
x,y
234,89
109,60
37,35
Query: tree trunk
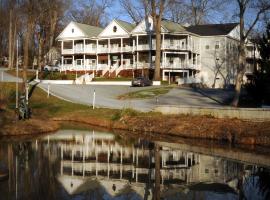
x,y
53,23
40,52
14,43
10,37
157,172
242,59
26,50
158,49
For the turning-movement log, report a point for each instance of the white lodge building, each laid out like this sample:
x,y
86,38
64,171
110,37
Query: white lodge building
x,y
202,53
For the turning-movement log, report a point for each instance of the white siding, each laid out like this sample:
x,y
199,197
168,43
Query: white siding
x,y
109,30
71,31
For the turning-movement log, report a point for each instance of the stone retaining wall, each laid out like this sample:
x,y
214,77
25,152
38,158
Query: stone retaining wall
x,y
253,114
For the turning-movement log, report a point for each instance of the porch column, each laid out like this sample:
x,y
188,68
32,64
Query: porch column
x,y
97,56
62,46
73,46
137,44
121,52
196,61
109,45
73,61
84,62
84,49
62,61
121,45
163,39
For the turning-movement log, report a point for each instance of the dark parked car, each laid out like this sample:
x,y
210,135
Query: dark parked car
x,y
141,81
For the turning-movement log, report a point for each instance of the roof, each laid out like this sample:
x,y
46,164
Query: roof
x,y
172,26
212,29
90,31
128,26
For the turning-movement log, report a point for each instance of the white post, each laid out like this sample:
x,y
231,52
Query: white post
x,y
48,90
36,74
94,99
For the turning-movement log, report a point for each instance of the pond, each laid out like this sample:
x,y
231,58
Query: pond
x,y
91,164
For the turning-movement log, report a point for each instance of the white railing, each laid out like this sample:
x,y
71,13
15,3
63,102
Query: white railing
x,y
67,51
70,67
127,48
90,49
175,46
102,49
143,47
115,49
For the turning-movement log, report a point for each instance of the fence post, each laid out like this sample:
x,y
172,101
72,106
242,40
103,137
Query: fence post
x,y
48,90
94,99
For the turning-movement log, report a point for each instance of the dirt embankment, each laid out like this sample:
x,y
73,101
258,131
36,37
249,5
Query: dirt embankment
x,y
227,130
10,126
233,131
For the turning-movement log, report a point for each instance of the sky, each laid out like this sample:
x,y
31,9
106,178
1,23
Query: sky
x,y
117,12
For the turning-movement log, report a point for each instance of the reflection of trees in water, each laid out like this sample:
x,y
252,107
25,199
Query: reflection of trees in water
x,y
264,182
36,172
256,184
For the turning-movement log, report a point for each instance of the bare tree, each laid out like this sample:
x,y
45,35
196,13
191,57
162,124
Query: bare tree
x,y
157,8
12,32
90,12
136,10
194,11
258,7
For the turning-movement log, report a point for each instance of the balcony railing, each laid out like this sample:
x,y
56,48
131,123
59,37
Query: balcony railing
x,y
67,51
127,48
102,49
115,49
90,49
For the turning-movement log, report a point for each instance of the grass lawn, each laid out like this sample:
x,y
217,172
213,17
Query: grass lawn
x,y
146,93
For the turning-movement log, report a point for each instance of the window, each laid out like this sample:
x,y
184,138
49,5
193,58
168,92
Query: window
x,y
217,45
171,42
206,171
207,47
114,29
72,30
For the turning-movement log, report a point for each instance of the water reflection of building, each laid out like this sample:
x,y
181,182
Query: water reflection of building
x,y
99,160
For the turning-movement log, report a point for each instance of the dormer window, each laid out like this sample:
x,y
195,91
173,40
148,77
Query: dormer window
x,y
72,30
114,29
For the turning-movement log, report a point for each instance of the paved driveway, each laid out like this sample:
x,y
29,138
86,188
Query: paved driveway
x,y
5,77
106,96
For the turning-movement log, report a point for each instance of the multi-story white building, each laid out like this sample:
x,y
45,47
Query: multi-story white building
x,y
203,53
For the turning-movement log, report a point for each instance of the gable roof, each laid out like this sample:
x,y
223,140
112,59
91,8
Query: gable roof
x,y
172,26
212,29
90,31
126,25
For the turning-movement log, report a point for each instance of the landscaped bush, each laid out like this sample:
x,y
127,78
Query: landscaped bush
x,y
57,76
